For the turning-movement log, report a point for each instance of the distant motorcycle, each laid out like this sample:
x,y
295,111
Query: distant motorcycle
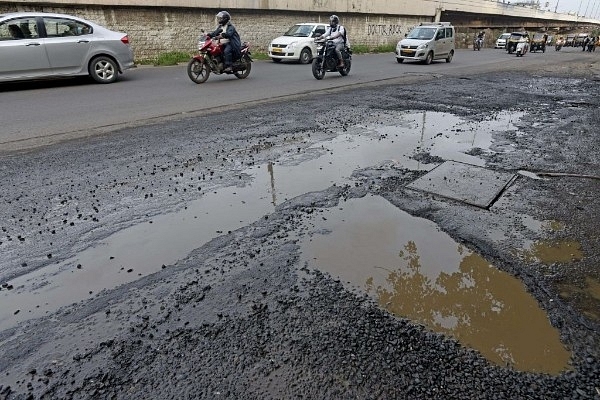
x,y
210,59
477,43
327,60
559,44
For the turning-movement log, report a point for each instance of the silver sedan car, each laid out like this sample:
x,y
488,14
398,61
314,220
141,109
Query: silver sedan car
x,y
36,45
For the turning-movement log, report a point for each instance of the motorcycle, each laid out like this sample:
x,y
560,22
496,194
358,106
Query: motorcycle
x,y
477,43
210,59
326,59
559,44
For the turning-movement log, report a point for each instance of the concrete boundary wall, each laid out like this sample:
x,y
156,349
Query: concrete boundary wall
x,y
420,8
155,29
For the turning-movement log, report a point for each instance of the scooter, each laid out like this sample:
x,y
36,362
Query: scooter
x,y
522,48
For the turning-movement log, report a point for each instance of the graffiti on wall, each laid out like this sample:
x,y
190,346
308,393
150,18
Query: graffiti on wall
x,y
384,30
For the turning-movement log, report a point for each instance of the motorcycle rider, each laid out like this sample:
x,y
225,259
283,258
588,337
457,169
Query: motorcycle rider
x,y
480,37
336,33
229,38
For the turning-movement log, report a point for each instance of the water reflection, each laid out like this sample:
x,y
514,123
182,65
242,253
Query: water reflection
x,y
554,251
143,248
418,272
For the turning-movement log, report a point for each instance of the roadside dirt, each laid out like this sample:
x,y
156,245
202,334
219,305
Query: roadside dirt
x,y
242,316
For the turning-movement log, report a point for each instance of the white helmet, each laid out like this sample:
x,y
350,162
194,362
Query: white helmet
x,y
334,20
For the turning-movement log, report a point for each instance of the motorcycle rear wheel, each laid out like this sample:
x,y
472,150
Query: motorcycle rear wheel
x,y
346,70
243,74
317,69
198,71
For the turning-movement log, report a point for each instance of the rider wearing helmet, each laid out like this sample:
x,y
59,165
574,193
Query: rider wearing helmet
x,y
336,33
229,38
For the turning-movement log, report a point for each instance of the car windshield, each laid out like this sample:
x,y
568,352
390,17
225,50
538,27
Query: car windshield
x,y
299,31
421,33
516,36
505,36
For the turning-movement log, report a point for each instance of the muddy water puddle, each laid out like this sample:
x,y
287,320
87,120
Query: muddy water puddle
x,y
416,271
145,248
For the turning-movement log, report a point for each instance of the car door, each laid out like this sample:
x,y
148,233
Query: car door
x,y
450,41
441,47
22,51
318,30
68,44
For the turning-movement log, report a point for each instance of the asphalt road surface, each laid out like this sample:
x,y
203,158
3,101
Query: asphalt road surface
x,y
40,113
309,246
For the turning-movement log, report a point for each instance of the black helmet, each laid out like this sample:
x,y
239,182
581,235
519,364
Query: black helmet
x,y
223,17
334,21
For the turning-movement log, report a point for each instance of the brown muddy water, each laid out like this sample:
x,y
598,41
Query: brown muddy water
x,y
416,271
406,263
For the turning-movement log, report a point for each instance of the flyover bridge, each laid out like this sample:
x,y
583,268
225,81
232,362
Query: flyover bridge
x,y
491,12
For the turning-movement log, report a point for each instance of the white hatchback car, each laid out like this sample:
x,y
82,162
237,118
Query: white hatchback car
x,y
427,42
297,44
501,41
36,45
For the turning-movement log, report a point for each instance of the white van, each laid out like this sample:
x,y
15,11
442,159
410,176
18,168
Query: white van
x,y
427,42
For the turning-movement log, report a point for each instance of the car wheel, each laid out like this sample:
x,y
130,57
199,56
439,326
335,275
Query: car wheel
x,y
103,69
450,55
276,60
399,60
429,58
305,56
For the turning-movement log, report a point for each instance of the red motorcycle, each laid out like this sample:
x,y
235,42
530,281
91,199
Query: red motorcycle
x,y
210,59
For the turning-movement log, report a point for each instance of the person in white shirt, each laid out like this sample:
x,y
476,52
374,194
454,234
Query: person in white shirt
x,y
336,33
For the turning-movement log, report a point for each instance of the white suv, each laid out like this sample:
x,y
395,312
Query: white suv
x,y
427,42
297,44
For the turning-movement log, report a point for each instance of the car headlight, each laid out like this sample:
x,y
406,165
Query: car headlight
x,y
292,45
422,47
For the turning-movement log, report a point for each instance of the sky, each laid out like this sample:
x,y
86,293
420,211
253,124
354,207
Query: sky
x,y
579,6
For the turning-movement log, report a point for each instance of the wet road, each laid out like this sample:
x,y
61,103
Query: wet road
x,y
45,112
241,248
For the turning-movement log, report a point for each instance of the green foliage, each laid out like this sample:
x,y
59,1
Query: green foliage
x,y
170,58
359,49
385,48
363,49
259,56
176,57
356,49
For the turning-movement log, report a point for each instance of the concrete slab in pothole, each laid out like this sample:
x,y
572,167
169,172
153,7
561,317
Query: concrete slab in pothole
x,y
464,182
